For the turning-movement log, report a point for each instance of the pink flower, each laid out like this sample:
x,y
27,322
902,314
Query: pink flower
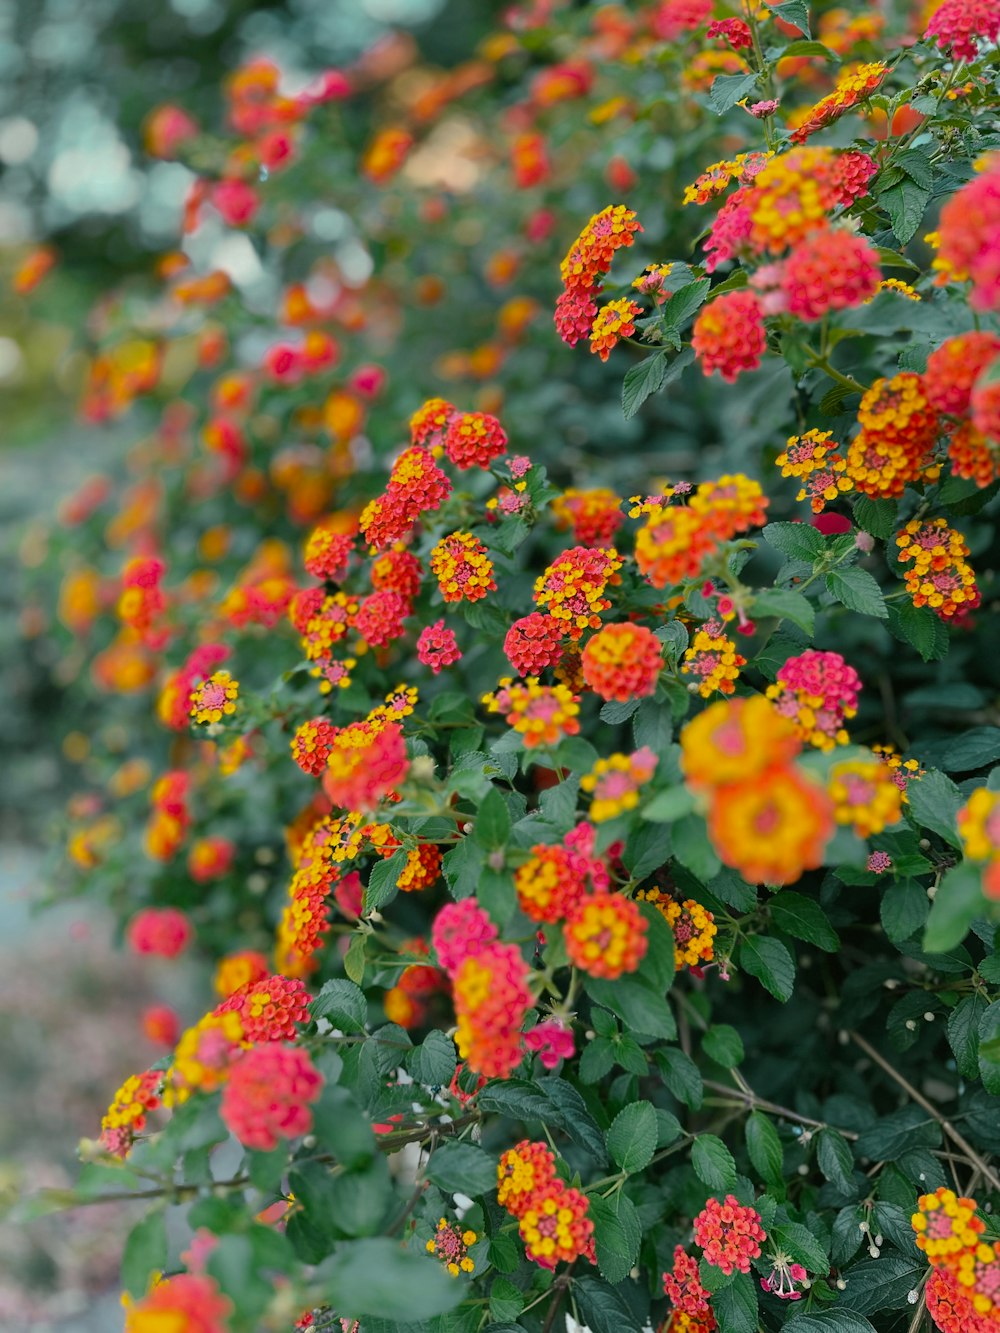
x,y
552,1041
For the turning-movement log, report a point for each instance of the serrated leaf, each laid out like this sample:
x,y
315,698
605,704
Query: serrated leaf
x,y
906,203
794,12
145,1253
803,918
642,380
856,589
933,802
881,1284
878,517
829,1321
802,1245
433,1062
631,1138
691,847
962,754
378,1277
642,1007
903,909
735,1306
713,1162
770,962
836,1161
678,308
764,1148
921,628
667,807
343,1004
462,1168
989,1049
728,89
786,605
723,1044
617,1235
801,541
492,827
963,1033
602,1308
681,1076
382,881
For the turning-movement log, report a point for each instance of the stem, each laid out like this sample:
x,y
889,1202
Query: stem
x,y
948,1128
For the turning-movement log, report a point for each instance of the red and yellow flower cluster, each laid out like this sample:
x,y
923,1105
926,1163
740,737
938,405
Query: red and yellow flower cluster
x,y
552,1216
963,1288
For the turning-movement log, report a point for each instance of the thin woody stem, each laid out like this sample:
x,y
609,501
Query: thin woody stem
x,y
949,1129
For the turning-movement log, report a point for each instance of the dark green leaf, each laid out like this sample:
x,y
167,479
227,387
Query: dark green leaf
x,y
785,605
691,847
803,918
919,627
678,308
617,1235
382,882
728,89
905,203
145,1253
794,12
764,1147
800,541
857,590
631,1138
961,754
904,909
642,1007
602,1308
723,1044
989,1049
770,962
492,826
957,903
462,1168
799,1242
829,1321
569,1111
642,380
735,1306
615,712
876,516
378,1277
896,1133
881,1284
963,1033
836,1161
433,1062
462,867
933,802
343,1004
515,1098
681,1076
713,1162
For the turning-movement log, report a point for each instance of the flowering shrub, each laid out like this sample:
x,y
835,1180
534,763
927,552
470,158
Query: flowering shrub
x,y
669,959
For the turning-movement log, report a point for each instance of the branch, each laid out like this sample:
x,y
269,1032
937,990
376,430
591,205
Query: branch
x,y
949,1129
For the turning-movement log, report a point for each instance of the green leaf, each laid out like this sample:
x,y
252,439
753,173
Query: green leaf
x,y
794,12
506,1303
342,1127
804,919
463,866
678,308
933,801
785,605
920,628
462,1168
516,1098
989,1049
957,903
667,807
602,1308
681,1076
836,1161
632,1136
642,380
735,1306
647,848
568,1111
881,1284
764,1148
653,726
617,1235
361,1199
963,1033
492,826
691,847
145,1253
354,959
383,881
378,1277
343,1004
770,962
802,1245
800,541
904,909
858,591
713,1162
433,1062
829,1321
615,712
723,1044
961,754
906,203
728,89
803,48
878,517
642,1008
659,965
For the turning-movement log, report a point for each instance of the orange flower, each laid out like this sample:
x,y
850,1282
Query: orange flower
x,y
623,662
735,741
773,828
